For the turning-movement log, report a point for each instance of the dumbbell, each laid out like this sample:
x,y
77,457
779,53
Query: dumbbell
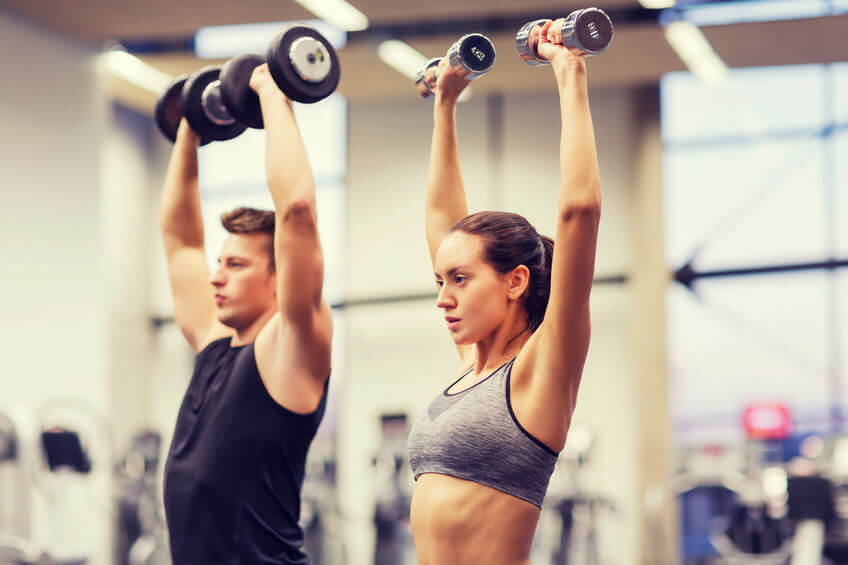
x,y
589,30
471,56
198,98
218,102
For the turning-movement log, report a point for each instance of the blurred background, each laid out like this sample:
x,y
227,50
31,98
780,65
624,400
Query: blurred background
x,y
711,423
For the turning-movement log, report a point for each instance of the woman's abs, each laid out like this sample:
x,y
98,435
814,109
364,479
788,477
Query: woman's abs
x,y
460,522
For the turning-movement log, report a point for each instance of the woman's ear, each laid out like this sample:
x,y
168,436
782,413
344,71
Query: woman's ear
x,y
518,280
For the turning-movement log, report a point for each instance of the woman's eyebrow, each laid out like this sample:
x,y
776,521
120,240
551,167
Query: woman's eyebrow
x,y
452,271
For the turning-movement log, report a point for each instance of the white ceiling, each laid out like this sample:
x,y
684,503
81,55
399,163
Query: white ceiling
x,y
639,53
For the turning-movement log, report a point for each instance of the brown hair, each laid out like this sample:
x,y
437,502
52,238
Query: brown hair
x,y
511,241
252,220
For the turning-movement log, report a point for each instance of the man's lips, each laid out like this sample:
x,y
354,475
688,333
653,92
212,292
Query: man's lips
x,y
452,321
219,298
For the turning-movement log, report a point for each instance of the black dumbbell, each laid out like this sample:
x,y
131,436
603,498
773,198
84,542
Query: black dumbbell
x,y
471,56
589,30
219,104
302,63
169,110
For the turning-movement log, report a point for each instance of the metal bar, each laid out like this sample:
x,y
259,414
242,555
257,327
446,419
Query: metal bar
x,y
782,135
159,321
686,275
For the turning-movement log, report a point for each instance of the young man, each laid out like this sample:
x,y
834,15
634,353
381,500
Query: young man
x,y
262,333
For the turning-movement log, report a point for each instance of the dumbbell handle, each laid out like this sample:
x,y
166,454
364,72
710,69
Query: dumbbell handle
x,y
597,35
470,57
213,105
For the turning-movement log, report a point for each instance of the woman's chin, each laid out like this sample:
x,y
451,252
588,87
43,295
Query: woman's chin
x,y
459,339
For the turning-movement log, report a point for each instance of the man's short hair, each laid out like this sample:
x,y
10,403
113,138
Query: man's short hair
x,y
252,220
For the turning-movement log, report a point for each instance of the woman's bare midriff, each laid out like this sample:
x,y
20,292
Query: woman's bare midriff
x,y
459,522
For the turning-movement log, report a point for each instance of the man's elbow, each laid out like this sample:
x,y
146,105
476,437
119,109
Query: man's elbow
x,y
300,205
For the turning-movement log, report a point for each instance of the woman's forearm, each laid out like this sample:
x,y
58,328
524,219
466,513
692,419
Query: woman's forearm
x,y
445,191
580,178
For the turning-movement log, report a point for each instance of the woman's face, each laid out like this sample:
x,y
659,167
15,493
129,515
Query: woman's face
x,y
472,294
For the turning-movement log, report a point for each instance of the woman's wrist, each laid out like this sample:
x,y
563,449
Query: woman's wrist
x,y
445,101
568,69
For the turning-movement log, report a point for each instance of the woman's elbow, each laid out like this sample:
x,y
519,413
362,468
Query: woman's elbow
x,y
588,208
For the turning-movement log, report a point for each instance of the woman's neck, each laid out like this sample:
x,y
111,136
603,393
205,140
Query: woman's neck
x,y
504,344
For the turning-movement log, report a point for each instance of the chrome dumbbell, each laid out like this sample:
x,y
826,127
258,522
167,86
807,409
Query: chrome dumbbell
x,y
589,30
471,56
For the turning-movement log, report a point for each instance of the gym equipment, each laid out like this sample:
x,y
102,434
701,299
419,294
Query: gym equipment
x,y
238,97
218,102
577,538
65,457
470,57
320,515
589,30
169,110
141,537
303,64
391,515
63,448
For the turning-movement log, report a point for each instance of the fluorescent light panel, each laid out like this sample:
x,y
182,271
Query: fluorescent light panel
x,y
657,4
223,42
762,11
337,12
401,56
121,64
406,60
695,50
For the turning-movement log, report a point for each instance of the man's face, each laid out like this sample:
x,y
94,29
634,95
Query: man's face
x,y
245,286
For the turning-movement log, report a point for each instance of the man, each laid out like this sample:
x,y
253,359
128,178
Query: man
x,y
262,332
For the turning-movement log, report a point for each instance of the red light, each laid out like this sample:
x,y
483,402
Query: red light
x,y
767,420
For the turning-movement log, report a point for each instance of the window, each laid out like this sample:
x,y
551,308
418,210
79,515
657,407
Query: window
x,y
756,177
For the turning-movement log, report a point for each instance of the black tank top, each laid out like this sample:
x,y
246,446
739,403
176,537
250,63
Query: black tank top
x,y
235,466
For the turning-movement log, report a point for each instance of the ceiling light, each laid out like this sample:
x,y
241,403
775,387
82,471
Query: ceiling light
x,y
337,12
121,64
763,11
657,4
401,56
695,50
223,42
406,60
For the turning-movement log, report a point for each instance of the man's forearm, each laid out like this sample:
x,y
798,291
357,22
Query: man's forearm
x,y
289,175
180,213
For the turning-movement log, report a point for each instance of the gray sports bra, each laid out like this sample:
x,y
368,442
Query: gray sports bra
x,y
474,434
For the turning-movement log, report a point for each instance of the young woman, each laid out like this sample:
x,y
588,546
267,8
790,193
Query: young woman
x,y
517,307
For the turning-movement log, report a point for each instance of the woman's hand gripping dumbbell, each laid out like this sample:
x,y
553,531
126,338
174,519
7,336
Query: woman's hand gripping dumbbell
x,y
471,56
218,102
588,31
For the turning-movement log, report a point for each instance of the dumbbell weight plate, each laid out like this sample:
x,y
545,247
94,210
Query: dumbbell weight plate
x,y
303,64
589,30
239,98
204,109
472,55
169,112
526,41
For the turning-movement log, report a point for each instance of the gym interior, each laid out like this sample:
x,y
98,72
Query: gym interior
x,y
710,425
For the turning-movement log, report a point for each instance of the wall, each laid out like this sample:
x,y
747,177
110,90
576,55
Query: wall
x,y
54,335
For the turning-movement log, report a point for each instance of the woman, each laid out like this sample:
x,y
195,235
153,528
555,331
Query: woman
x,y
517,308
